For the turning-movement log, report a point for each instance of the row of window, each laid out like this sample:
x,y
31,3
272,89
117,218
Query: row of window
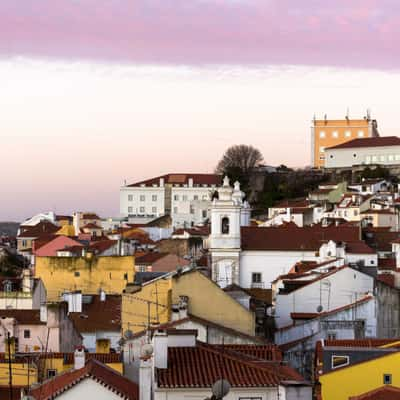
x,y
185,197
335,134
192,211
382,158
142,197
142,210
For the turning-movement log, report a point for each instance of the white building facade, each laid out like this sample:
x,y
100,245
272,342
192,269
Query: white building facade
x,y
185,197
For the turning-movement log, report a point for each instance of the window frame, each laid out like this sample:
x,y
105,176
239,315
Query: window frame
x,y
341,365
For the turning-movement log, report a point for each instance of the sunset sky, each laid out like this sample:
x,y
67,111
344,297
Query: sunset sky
x,y
95,92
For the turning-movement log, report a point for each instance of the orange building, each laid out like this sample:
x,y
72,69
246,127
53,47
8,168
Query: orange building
x,y
331,132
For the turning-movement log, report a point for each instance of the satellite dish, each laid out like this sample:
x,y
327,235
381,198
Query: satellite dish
x,y
320,308
128,334
147,350
221,388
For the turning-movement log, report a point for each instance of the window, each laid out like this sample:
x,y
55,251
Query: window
x,y
126,276
184,197
354,155
335,134
7,286
142,210
176,197
77,273
142,197
24,243
191,209
27,334
256,277
387,379
360,134
130,210
322,149
339,361
205,197
154,197
347,134
154,210
195,197
225,226
331,336
397,157
390,157
51,373
355,213
175,210
368,159
204,213
130,197
322,134
374,158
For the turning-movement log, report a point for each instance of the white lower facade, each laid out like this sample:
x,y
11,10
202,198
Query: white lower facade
x,y
347,157
89,389
89,339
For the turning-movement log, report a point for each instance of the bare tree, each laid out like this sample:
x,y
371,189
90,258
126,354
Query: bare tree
x,y
241,158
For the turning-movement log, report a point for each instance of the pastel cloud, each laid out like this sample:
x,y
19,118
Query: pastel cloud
x,y
357,33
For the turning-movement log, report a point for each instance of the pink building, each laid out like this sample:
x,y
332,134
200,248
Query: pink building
x,y
50,249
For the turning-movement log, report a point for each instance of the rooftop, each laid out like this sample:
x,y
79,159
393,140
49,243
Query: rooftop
x,y
181,179
368,142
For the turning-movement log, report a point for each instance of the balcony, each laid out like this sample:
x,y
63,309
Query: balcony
x,y
257,285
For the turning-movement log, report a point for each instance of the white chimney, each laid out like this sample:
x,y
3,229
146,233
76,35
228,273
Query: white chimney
x,y
26,281
161,182
160,344
175,315
145,378
102,295
76,222
43,313
79,358
74,300
183,306
190,182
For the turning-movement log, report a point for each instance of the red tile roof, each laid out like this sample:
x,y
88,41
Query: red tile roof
x,y
182,179
368,142
93,369
149,258
91,225
90,216
387,264
289,203
99,315
387,392
101,245
379,211
358,247
388,279
68,358
40,229
202,365
268,352
309,238
24,317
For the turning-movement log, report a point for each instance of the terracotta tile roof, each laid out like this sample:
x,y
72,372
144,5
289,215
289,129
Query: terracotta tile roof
x,y
24,317
101,245
309,238
380,238
105,358
194,231
64,218
368,142
267,352
91,225
90,216
386,392
40,229
387,264
383,211
99,315
202,365
182,179
149,258
93,369
289,203
388,279
358,247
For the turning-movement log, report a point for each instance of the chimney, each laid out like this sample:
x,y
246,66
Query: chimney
x,y
175,315
145,377
43,313
26,281
76,223
183,306
102,295
79,358
161,182
74,300
160,342
190,182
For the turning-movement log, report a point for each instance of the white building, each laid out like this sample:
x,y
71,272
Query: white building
x,y
185,197
384,150
251,256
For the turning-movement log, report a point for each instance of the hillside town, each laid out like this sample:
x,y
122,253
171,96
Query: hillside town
x,y
254,282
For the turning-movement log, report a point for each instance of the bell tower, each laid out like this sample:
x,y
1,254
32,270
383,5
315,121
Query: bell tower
x,y
226,217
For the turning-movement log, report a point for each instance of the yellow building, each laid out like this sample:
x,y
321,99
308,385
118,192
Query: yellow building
x,y
152,303
327,133
88,274
360,378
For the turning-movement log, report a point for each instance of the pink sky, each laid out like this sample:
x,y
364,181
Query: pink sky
x,y
94,92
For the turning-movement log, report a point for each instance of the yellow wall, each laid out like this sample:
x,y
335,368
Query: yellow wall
x,y
206,300
19,372
340,126
360,378
108,273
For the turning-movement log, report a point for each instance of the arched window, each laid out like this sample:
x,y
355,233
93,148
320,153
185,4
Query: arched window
x,y
225,226
7,286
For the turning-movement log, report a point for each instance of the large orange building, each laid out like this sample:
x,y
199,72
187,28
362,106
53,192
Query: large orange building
x,y
331,132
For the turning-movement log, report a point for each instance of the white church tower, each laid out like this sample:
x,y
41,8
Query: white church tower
x,y
228,214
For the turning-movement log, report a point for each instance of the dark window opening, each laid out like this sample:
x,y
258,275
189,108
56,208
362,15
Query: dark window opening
x,y
225,226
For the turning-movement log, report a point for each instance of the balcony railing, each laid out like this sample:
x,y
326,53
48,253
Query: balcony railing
x,y
257,285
